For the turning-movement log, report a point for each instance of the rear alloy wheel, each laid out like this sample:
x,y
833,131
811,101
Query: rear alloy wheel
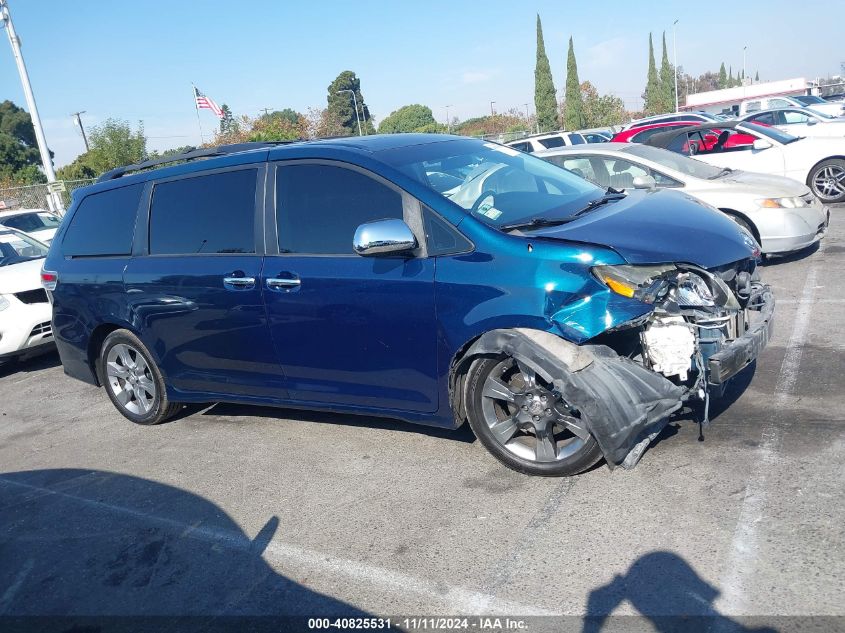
x,y
524,422
132,381
827,181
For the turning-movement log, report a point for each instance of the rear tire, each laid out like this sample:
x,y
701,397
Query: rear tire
x,y
827,180
132,380
524,423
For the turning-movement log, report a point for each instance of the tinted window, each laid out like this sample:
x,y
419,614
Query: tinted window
x,y
214,213
31,222
576,139
318,207
522,147
441,237
549,143
104,223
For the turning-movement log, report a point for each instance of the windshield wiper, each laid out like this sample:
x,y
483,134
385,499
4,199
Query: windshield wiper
x,y
612,195
724,172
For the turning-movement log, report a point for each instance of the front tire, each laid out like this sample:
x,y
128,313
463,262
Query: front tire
x,y
524,422
827,180
132,380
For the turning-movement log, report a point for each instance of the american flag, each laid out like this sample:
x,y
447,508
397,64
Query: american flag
x,y
207,102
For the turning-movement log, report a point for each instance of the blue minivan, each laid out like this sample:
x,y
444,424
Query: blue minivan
x,y
430,278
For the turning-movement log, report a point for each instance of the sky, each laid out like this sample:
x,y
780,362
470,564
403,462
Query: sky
x,y
136,60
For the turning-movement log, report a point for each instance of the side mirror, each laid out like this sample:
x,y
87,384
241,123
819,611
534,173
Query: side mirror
x,y
644,182
811,121
761,144
383,237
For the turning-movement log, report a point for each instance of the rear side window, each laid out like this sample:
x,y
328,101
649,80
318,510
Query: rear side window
x,y
318,207
209,214
104,223
576,139
551,142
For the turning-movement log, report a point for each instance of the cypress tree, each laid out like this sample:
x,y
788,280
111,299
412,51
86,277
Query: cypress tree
x,y
723,76
652,87
545,101
731,80
757,76
573,114
667,81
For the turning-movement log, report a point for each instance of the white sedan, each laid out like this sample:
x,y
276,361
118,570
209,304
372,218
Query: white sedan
x,y
25,311
41,224
799,121
780,213
818,161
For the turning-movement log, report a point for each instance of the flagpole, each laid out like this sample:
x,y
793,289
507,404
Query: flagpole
x,y
202,138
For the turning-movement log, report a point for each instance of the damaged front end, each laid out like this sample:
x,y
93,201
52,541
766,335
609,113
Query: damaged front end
x,y
704,326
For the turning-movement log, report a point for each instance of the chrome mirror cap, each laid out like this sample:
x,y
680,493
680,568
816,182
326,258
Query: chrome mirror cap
x,y
644,182
383,237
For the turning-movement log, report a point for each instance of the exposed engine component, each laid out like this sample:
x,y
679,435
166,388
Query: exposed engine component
x,y
669,345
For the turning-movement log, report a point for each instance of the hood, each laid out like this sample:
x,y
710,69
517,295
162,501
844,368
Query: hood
x,y
766,185
655,227
20,277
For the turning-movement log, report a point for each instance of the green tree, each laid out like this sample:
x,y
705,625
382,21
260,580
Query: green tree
x,y
545,100
651,96
757,76
112,144
19,155
409,118
667,81
601,110
341,105
573,112
227,123
723,77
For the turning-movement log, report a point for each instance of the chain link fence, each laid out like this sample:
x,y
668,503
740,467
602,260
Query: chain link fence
x,y
36,196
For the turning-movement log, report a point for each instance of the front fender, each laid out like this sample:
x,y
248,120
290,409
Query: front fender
x,y
623,404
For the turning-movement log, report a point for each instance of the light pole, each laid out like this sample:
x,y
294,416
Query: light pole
x,y
448,120
355,102
493,115
78,118
14,40
743,63
675,55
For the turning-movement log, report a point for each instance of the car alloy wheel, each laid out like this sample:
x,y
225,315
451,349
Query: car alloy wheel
x,y
130,379
828,181
525,422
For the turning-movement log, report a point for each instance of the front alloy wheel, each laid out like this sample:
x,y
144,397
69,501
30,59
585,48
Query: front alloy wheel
x,y
525,422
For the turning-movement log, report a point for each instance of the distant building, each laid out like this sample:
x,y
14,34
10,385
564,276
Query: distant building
x,y
728,100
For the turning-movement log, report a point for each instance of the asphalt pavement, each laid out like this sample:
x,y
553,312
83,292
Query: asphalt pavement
x,y
243,510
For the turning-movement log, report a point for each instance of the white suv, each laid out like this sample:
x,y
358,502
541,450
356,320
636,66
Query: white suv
x,y
771,103
540,142
41,224
25,311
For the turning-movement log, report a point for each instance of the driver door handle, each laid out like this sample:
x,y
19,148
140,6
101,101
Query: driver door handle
x,y
239,283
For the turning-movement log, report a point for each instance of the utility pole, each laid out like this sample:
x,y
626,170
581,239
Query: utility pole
x,y
266,111
448,120
14,40
675,55
527,117
355,103
81,129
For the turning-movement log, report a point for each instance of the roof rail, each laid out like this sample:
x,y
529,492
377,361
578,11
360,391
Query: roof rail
x,y
190,154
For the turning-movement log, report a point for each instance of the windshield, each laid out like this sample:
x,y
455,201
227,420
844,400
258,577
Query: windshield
x,y
808,99
768,132
32,222
672,160
16,247
497,184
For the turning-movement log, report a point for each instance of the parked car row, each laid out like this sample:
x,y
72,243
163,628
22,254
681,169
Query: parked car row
x,y
431,278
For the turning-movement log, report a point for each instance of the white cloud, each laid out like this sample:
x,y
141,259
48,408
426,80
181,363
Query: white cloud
x,y
607,54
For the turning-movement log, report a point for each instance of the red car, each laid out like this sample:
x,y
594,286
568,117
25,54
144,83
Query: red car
x,y
641,134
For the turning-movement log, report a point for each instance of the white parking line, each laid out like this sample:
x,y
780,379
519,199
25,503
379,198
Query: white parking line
x,y
739,567
454,599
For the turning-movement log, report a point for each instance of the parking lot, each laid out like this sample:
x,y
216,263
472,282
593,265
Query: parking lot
x,y
244,510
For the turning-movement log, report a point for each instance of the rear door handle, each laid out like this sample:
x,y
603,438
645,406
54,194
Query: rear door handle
x,y
239,283
275,283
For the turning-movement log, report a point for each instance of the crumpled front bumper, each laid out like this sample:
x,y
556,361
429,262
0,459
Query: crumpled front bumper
x,y
742,351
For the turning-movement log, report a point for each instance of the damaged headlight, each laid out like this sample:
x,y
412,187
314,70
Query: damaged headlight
x,y
687,288
636,282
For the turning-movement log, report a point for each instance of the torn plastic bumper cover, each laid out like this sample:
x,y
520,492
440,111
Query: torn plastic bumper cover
x,y
623,404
